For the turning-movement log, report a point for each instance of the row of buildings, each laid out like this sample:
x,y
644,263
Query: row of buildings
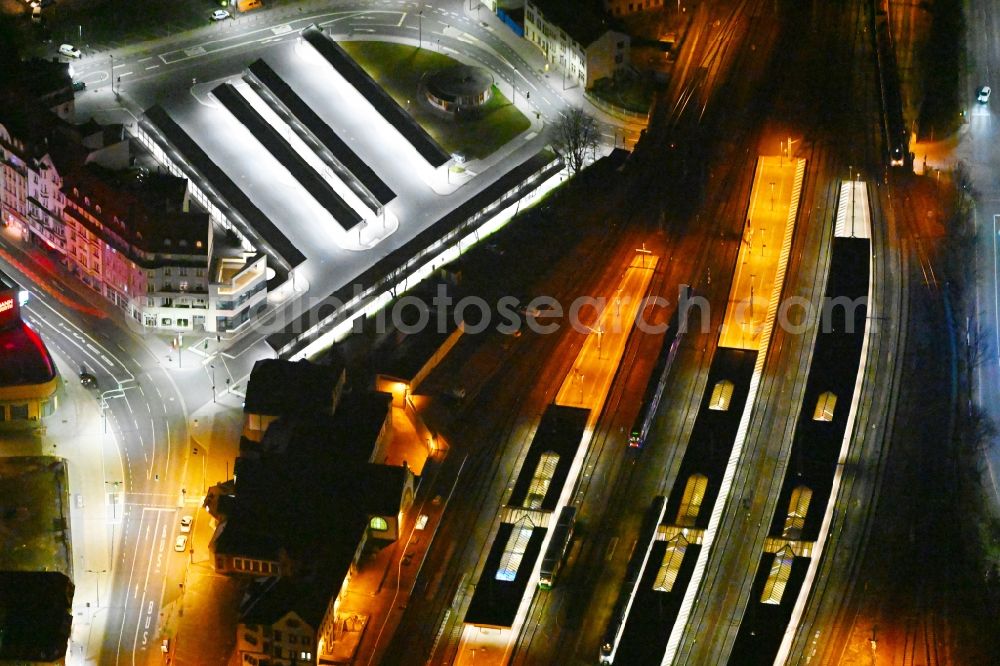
x,y
581,39
89,196
311,497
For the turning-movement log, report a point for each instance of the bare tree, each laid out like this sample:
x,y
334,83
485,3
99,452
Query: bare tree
x,y
576,135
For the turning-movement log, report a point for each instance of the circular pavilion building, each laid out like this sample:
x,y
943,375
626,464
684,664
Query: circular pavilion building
x,y
459,89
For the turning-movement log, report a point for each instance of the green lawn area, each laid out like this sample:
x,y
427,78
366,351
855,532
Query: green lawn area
x,y
399,68
632,93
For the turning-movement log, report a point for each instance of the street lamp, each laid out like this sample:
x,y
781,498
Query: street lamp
x,y
98,572
212,366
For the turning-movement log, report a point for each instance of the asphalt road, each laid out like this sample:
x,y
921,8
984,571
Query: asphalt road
x,y
145,413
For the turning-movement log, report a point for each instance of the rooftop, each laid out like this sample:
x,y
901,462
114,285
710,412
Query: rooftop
x,y
352,72
495,600
146,211
356,166
583,21
559,432
48,80
24,358
278,387
221,189
349,435
35,615
269,601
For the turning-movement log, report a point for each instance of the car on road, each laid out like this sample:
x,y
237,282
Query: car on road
x,y
79,85
88,380
181,543
220,15
69,51
186,524
983,94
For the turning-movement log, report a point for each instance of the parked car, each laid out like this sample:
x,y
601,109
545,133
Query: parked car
x,y
69,51
983,94
186,524
181,543
220,15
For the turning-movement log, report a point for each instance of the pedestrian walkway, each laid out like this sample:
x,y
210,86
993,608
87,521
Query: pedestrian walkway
x,y
75,434
201,621
535,59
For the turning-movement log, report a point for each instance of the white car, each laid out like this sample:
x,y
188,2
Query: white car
x,y
70,51
220,15
186,524
181,543
983,94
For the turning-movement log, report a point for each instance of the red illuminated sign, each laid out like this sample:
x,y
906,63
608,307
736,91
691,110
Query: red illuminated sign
x,y
10,312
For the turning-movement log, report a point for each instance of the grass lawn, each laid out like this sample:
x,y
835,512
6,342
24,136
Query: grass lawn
x,y
399,68
632,93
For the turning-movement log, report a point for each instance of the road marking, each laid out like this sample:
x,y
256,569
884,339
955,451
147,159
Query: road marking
x,y
124,74
152,67
996,289
611,549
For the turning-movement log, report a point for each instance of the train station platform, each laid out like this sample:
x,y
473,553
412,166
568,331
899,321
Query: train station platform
x,y
763,255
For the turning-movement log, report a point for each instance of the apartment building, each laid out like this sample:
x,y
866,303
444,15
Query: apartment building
x,y
577,39
130,233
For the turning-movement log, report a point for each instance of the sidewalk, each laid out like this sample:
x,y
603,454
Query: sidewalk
x,y
535,59
201,619
75,433
380,591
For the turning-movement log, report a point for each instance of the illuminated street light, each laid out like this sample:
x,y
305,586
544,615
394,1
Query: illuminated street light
x,y
98,572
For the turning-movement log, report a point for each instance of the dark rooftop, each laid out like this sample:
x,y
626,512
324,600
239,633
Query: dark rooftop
x,y
288,341
354,170
27,120
583,21
231,200
495,602
354,74
308,598
278,387
560,432
402,355
275,143
714,431
243,537
35,615
349,435
48,80
381,488
149,209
